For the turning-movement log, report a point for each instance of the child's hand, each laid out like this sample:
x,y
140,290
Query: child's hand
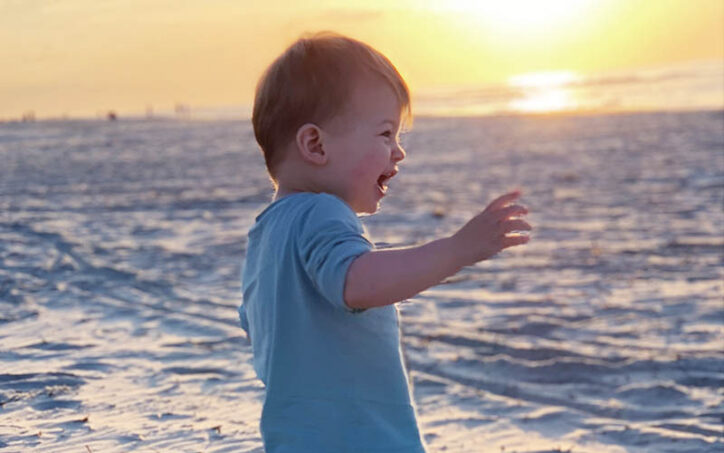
x,y
487,233
383,277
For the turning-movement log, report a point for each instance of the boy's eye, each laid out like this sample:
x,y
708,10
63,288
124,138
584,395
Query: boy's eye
x,y
387,133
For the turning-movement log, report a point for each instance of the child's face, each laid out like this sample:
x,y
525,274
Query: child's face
x,y
363,146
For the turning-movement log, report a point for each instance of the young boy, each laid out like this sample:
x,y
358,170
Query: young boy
x,y
318,299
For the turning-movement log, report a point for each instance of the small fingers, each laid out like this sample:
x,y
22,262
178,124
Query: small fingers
x,y
511,211
503,200
516,225
515,239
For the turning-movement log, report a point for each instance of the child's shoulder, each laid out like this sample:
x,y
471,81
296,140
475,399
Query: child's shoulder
x,y
323,210
304,210
307,203
307,220
328,202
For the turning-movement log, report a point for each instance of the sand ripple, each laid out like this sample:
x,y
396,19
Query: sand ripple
x,y
121,246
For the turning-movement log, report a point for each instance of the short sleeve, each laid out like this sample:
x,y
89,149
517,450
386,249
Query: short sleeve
x,y
331,238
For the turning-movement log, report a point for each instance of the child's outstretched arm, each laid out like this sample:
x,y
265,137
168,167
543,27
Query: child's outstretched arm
x,y
383,277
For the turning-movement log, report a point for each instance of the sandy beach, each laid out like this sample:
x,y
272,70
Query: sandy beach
x,y
121,245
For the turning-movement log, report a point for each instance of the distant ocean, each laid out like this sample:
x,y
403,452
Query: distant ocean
x,y
686,86
121,245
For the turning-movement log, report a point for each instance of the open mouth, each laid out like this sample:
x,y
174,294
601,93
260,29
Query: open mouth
x,y
384,179
382,183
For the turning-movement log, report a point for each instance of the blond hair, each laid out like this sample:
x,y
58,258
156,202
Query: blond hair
x,y
310,82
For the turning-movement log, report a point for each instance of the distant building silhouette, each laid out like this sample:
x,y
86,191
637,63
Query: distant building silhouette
x,y
182,110
28,117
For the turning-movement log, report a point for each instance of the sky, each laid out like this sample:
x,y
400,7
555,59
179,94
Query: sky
x,y
85,57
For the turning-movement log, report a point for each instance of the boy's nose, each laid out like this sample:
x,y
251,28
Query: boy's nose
x,y
398,153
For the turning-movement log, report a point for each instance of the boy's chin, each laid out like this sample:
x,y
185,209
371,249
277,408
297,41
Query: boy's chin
x,y
371,209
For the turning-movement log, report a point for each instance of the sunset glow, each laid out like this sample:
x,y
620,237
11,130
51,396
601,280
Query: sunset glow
x,y
543,79
543,91
550,100
209,54
516,16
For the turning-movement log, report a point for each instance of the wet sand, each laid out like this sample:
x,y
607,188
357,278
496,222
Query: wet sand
x,y
121,246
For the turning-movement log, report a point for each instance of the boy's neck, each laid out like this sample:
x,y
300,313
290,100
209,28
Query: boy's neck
x,y
286,188
282,192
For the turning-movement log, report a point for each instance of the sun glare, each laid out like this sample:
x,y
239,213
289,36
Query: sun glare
x,y
543,79
543,92
545,102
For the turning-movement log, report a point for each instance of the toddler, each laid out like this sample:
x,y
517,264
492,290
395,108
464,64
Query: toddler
x,y
318,299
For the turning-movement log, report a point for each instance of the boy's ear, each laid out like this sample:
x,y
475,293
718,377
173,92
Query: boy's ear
x,y
309,144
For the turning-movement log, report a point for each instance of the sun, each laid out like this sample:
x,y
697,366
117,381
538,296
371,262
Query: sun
x,y
543,92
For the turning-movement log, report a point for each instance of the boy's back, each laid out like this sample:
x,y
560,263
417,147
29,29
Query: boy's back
x,y
334,377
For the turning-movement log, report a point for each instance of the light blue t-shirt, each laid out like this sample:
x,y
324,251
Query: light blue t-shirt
x,y
335,380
